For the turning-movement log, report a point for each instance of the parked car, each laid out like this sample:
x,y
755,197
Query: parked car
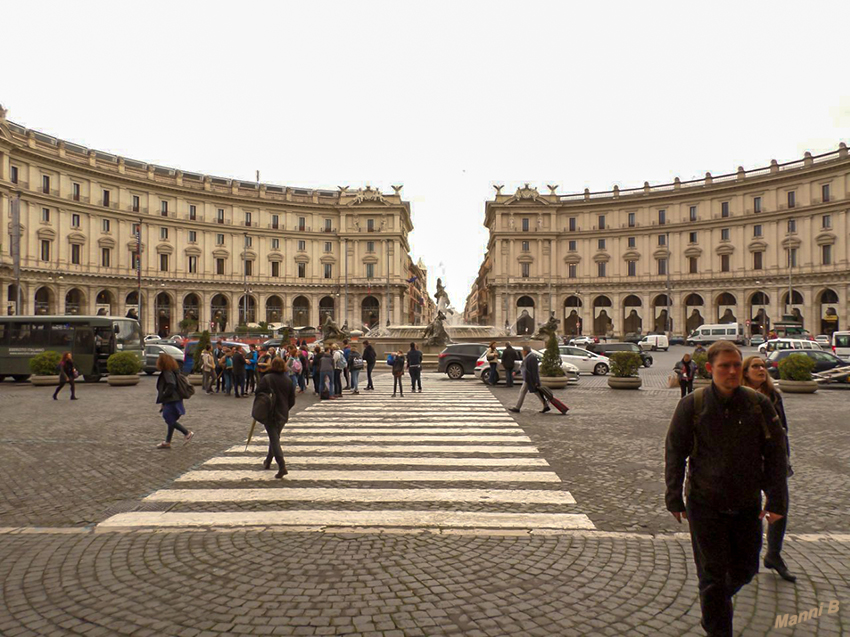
x,y
654,342
586,361
582,341
606,349
482,368
152,352
841,344
677,340
459,359
632,337
152,337
189,355
824,361
787,343
823,341
756,340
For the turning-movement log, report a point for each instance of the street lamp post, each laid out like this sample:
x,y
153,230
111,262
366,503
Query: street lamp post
x,y
668,326
245,279
345,300
139,272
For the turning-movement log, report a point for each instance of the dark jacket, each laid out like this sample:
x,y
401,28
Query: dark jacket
x,y
732,459
369,355
284,394
166,388
414,358
238,363
532,372
680,370
398,365
509,357
66,369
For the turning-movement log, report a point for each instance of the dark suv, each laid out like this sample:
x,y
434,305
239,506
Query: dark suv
x,y
606,349
460,358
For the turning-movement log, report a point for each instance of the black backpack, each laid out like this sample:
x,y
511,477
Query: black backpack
x,y
263,409
184,387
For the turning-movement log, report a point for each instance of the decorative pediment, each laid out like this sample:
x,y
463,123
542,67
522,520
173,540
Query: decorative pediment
x,y
275,256
370,258
631,255
693,251
661,253
248,255
525,257
106,242
361,195
825,238
526,193
601,257
77,237
132,246
328,258
221,253
725,248
572,258
757,245
791,242
302,258
192,251
47,233
164,248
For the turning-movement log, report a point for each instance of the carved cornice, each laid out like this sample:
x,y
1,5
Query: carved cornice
x,y
221,253
192,251
601,257
106,242
573,257
77,237
825,238
693,251
164,248
725,248
47,234
757,245
631,255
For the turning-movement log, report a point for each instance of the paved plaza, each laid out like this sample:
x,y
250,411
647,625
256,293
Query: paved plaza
x,y
438,513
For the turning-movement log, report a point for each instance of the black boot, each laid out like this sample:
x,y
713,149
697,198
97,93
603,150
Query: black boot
x,y
776,563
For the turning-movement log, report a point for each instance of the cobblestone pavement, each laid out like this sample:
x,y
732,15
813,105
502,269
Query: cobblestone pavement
x,y
537,569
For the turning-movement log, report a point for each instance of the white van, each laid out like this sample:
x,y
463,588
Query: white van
x,y
718,332
841,344
787,343
654,342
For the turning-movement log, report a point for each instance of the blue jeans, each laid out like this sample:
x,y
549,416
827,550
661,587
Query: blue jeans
x,y
330,378
355,378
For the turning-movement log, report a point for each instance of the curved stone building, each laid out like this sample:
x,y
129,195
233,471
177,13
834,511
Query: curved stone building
x,y
749,246
214,251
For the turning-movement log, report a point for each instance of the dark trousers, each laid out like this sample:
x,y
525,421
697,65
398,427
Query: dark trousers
x,y
316,380
687,386
415,378
509,376
338,382
219,378
369,368
250,380
66,379
397,384
726,552
170,415
347,378
775,535
494,370
275,450
239,383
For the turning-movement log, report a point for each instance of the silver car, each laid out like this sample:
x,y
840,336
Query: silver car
x,y
152,352
482,368
587,362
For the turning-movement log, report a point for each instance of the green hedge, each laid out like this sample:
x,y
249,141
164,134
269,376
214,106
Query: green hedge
x,y
625,364
45,364
701,359
123,364
796,367
197,363
551,365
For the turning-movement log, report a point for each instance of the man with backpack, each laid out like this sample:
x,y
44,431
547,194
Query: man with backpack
x,y
355,365
369,357
275,397
414,368
731,440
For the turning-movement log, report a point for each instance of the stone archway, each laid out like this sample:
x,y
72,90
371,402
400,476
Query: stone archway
x,y
218,313
661,321
44,300
75,302
758,313
525,315
327,307
828,304
572,316
694,308
793,307
104,303
131,305
632,320
163,312
603,324
274,309
726,304
300,311
247,309
370,312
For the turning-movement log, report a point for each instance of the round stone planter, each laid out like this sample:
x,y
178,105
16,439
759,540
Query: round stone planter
x,y
798,386
45,381
123,381
196,379
702,382
627,382
554,382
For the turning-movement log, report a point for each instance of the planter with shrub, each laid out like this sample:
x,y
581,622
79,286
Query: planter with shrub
x,y
624,370
795,375
123,368
552,374
197,377
702,378
45,369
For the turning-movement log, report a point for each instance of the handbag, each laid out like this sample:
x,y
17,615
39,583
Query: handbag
x,y
264,407
184,387
672,381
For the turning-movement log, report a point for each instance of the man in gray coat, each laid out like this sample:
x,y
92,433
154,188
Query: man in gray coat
x,y
530,380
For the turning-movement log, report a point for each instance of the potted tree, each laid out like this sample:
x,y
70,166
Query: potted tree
x,y
551,372
702,378
795,375
197,376
123,368
624,370
45,369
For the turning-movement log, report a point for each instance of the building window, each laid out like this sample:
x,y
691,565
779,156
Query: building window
x,y
370,270
572,224
219,239
601,222
525,247
600,269
45,250
106,225
247,218
302,270
370,225
632,268
692,265
275,222
302,223
632,242
662,217
45,215
275,269
792,225
662,266
136,203
724,234
600,244
692,237
724,209
724,263
572,245
692,213
105,257
163,233
824,193
219,215
370,246
328,246
826,221
106,196
193,265
826,255
76,190
302,246
329,270
631,220
792,199
248,267
193,213
219,266
163,208
573,271
758,260
135,261
249,241
163,263
137,228
193,236
525,224
75,220
328,225
792,258
45,184
14,174
662,239
275,244
76,253
526,270
756,204
757,230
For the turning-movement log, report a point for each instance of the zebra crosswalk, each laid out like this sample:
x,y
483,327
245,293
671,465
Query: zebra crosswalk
x,y
449,458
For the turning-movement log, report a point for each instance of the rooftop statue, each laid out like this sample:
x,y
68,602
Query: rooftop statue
x,y
441,297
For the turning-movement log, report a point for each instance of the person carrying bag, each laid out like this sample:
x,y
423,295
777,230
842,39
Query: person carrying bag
x,y
274,398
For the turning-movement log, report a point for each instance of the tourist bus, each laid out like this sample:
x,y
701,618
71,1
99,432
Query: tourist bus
x,y
90,339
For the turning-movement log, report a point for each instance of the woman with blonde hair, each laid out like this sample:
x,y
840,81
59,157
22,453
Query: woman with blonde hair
x,y
756,377
168,396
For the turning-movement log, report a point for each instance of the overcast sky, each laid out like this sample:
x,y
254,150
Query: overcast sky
x,y
447,98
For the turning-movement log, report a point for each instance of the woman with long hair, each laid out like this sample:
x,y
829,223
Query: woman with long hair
x,y
277,383
168,396
756,377
67,374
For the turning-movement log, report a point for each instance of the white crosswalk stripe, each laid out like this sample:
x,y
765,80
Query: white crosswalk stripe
x,y
448,458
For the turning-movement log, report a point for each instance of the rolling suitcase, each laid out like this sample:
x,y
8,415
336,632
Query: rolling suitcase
x,y
548,395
